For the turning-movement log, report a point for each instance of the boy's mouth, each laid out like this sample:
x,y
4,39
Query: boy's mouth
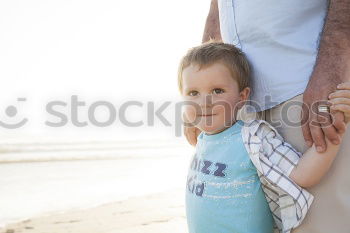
x,y
206,115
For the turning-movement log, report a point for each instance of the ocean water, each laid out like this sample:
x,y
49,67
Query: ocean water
x,y
41,178
81,49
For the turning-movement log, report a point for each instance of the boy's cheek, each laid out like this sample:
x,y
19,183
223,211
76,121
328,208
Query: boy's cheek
x,y
190,114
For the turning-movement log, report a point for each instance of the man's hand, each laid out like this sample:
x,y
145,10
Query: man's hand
x,y
315,126
191,134
332,65
190,131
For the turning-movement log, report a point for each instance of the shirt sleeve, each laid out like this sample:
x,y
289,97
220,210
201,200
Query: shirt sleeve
x,y
274,159
278,152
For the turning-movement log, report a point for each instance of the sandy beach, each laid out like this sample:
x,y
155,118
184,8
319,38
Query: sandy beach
x,y
154,213
122,189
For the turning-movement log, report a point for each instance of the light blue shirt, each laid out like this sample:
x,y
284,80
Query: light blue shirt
x,y
223,192
280,39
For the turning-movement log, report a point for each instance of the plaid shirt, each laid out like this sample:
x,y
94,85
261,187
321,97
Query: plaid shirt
x,y
274,160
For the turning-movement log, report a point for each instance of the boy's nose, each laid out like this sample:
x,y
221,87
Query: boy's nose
x,y
206,101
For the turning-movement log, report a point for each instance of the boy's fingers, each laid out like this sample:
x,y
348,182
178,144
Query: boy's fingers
x,y
340,101
329,130
340,94
345,86
341,107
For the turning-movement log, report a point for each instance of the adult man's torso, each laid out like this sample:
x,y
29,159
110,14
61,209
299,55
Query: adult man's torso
x,y
330,211
280,39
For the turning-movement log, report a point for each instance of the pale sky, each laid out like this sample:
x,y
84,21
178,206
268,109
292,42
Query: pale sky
x,y
108,50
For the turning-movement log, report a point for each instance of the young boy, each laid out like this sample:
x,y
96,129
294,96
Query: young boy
x,y
243,177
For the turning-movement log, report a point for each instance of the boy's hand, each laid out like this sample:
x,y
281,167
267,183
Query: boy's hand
x,y
340,100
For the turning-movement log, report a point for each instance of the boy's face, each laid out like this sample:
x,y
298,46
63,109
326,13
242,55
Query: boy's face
x,y
214,94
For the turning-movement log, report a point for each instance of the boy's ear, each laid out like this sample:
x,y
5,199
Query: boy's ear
x,y
244,94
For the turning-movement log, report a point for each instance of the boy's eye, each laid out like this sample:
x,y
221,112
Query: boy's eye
x,y
218,91
193,93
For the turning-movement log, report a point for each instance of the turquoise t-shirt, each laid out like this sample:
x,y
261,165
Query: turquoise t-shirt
x,y
223,192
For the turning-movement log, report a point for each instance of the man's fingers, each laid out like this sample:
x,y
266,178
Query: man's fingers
x,y
338,121
325,120
307,135
191,134
331,133
341,107
305,125
318,136
198,131
316,131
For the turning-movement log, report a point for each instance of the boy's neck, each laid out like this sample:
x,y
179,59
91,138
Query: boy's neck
x,y
223,129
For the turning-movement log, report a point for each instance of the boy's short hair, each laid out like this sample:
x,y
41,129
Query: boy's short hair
x,y
217,52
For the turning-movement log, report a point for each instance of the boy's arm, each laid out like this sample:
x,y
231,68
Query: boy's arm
x,y
305,169
313,165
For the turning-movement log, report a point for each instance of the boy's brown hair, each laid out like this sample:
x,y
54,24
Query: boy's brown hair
x,y
217,52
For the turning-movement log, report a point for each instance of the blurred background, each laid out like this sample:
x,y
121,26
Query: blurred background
x,y
61,52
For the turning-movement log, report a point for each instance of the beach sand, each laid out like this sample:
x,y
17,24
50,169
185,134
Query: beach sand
x,y
155,213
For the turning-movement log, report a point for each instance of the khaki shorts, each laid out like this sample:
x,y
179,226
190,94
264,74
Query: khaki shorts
x,y
330,211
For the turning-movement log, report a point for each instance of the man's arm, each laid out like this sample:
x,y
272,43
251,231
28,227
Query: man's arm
x,y
212,25
332,64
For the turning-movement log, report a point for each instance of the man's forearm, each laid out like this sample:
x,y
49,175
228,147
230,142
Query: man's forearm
x,y
212,24
333,59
